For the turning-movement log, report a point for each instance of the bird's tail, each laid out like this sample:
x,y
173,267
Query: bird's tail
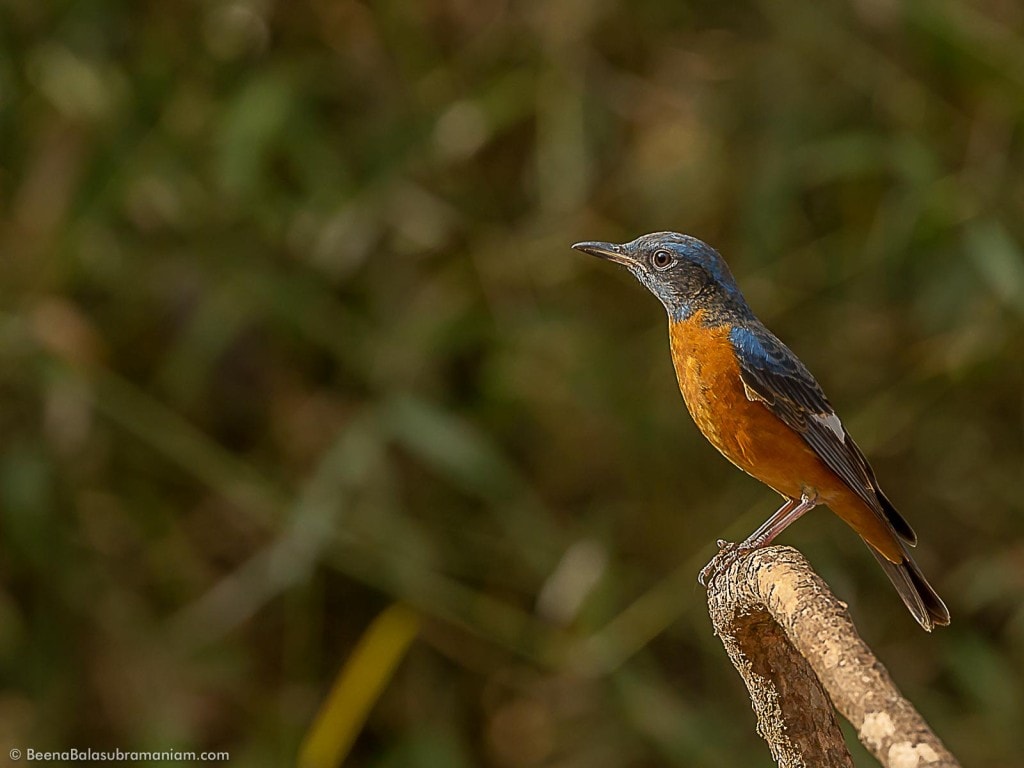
x,y
923,602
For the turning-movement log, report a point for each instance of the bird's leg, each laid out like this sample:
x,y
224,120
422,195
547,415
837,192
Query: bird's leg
x,y
778,522
728,552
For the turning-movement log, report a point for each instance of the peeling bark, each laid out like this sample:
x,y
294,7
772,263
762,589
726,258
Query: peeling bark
x,y
795,646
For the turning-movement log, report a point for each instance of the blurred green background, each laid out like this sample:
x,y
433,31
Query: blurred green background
x,y
290,332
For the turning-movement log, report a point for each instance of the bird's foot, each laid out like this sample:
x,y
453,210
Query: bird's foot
x,y
728,553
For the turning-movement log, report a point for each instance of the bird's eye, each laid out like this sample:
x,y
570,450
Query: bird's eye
x,y
662,260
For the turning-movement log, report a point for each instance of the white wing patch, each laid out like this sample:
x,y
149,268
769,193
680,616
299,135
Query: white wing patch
x,y
831,421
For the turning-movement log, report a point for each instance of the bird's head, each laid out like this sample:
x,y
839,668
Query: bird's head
x,y
684,272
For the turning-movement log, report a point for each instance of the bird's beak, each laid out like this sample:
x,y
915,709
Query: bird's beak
x,y
609,251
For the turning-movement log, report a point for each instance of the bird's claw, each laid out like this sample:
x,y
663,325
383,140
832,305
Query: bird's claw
x,y
728,553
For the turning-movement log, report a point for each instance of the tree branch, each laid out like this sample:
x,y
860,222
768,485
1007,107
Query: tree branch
x,y
792,641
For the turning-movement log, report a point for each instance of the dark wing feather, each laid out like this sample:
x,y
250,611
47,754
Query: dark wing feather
x,y
772,374
775,376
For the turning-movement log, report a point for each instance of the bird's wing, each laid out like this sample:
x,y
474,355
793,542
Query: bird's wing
x,y
773,375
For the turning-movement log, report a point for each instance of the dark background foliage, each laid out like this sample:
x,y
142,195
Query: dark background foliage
x,y
290,331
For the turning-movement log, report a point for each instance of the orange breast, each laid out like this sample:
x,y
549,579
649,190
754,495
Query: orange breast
x,y
751,436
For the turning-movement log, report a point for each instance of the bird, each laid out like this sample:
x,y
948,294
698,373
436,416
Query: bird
x,y
759,406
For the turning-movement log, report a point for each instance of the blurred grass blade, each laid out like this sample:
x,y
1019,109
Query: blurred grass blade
x,y
499,622
1000,261
313,518
454,448
468,458
192,449
252,121
358,686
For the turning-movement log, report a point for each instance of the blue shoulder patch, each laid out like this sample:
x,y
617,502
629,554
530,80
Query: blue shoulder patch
x,y
756,348
748,345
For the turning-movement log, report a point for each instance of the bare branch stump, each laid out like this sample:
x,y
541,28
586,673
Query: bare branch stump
x,y
795,646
